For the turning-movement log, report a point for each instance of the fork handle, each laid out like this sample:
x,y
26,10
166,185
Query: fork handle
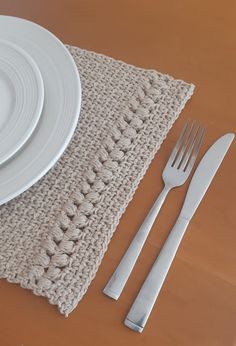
x,y
119,278
145,300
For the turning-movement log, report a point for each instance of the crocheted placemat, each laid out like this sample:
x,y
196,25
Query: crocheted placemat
x,y
53,236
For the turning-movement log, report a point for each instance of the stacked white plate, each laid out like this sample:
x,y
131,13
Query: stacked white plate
x,y
40,97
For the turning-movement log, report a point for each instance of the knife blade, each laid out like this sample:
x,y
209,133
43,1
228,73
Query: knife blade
x,y
204,174
202,178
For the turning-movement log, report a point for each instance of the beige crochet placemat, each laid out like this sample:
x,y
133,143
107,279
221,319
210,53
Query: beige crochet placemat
x,y
53,237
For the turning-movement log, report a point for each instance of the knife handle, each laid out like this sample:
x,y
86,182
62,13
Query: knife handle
x,y
120,276
145,300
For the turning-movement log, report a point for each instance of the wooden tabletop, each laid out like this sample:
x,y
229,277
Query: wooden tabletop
x,y
191,40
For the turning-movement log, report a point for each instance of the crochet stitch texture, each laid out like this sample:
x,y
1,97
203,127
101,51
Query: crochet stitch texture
x,y
53,237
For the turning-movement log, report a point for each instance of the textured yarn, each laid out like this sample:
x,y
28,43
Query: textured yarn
x,y
53,236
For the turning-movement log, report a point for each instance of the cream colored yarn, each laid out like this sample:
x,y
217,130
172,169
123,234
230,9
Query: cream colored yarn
x,y
53,237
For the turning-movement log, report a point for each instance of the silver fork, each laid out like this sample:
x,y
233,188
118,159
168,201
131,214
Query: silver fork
x,y
176,172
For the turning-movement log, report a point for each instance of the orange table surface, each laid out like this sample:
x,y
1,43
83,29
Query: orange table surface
x,y
195,41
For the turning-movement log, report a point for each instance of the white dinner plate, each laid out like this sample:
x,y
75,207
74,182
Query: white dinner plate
x,y
21,98
62,99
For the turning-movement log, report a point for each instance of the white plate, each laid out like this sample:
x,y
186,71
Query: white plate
x,y
21,98
61,108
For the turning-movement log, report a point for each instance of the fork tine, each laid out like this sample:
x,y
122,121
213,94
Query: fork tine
x,y
177,146
195,151
183,149
190,149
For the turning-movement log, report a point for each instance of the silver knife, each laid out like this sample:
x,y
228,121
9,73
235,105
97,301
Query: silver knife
x,y
205,172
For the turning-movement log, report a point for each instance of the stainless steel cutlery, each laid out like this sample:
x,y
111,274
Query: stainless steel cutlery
x,y
205,172
176,172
